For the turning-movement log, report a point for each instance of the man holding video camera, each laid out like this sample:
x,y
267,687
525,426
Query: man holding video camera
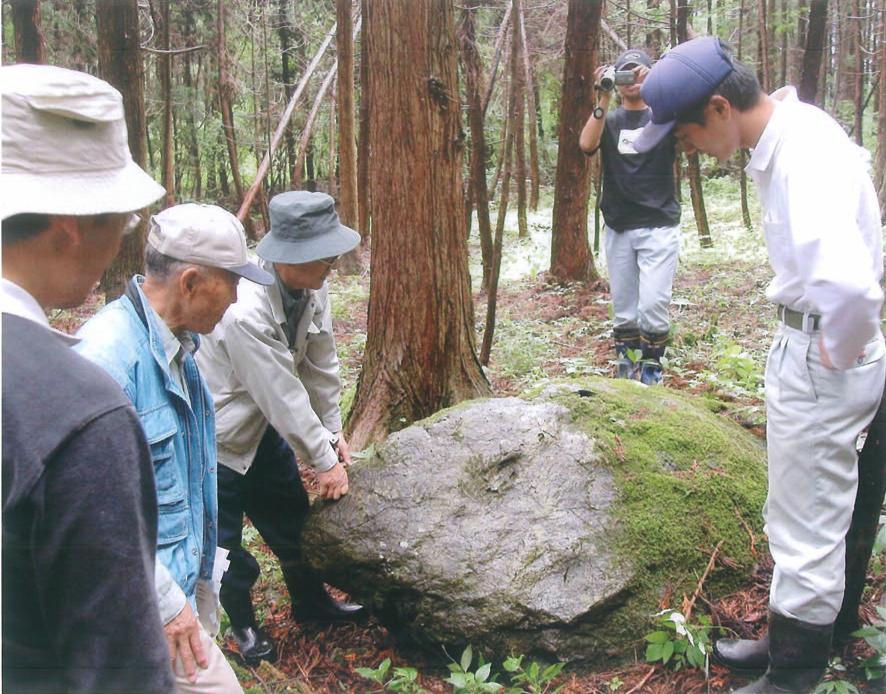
x,y
641,214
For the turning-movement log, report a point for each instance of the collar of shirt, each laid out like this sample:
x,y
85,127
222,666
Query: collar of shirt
x,y
174,347
17,302
772,132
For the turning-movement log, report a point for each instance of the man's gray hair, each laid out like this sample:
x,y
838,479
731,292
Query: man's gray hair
x,y
162,267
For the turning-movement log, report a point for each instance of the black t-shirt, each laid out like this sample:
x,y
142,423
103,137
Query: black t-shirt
x,y
638,189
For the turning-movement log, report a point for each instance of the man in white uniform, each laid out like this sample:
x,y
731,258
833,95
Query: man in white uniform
x,y
825,371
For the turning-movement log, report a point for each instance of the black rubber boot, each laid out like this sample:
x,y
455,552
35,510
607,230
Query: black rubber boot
x,y
653,350
798,657
746,656
627,348
312,603
254,645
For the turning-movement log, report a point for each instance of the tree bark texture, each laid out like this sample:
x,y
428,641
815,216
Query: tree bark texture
x,y
693,169
571,258
420,349
858,53
518,87
225,106
812,55
533,117
492,292
164,67
29,44
473,73
865,518
363,191
285,35
120,63
347,143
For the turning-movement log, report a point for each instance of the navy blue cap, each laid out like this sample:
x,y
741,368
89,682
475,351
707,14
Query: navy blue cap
x,y
683,78
633,57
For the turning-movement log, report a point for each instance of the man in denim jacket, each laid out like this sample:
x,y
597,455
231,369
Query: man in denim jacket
x,y
145,340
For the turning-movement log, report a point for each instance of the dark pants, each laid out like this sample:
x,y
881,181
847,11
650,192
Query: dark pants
x,y
272,495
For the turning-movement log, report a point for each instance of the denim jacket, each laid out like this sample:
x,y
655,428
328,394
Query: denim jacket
x,y
181,435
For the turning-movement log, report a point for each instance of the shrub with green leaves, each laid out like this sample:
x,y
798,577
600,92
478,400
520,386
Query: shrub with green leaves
x,y
875,635
403,679
678,643
534,678
464,681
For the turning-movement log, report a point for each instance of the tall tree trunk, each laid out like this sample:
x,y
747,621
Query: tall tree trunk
x,y
533,114
742,154
225,105
763,46
285,34
363,190
29,45
570,255
499,43
187,77
473,73
653,36
783,58
120,63
519,88
347,143
164,66
492,293
812,54
858,50
693,169
420,348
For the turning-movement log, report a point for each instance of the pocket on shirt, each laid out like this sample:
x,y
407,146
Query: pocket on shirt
x,y
160,427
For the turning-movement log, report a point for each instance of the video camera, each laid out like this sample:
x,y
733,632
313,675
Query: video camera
x,y
612,78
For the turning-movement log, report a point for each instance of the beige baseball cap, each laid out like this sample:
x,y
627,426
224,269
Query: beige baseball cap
x,y
65,149
205,235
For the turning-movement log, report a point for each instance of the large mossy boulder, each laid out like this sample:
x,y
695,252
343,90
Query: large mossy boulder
x,y
551,524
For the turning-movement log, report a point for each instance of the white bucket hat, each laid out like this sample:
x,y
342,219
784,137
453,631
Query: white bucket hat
x,y
65,149
205,235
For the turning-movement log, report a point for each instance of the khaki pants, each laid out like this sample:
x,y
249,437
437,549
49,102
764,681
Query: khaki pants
x,y
218,678
814,416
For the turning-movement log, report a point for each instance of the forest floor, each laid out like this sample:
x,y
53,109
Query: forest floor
x,y
721,328
721,325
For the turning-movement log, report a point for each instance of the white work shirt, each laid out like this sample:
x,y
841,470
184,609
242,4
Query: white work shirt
x,y
821,223
257,378
18,302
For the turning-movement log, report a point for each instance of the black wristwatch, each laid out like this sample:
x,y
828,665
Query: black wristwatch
x,y
599,113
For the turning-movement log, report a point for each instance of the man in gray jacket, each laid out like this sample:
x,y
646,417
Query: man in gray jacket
x,y
273,371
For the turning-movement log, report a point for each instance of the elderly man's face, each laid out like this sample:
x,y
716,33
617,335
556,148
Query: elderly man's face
x,y
98,242
305,275
206,301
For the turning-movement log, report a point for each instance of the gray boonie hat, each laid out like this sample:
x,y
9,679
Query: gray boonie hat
x,y
205,235
65,149
305,227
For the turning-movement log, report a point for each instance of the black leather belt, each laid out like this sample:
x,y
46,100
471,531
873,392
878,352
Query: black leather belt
x,y
798,320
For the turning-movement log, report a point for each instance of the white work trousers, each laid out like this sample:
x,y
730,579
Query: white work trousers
x,y
814,416
217,678
641,264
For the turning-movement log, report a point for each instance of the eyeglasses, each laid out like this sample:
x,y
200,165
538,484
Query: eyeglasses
x,y
132,224
328,262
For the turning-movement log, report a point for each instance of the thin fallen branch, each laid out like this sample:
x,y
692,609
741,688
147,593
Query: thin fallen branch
x,y
499,40
174,51
636,687
687,613
281,127
750,533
